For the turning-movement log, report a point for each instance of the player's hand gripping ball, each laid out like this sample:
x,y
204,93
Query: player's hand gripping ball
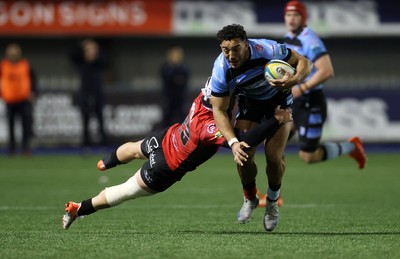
x,y
275,69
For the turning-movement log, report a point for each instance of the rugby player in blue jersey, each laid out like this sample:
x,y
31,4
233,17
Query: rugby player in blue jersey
x,y
238,71
310,108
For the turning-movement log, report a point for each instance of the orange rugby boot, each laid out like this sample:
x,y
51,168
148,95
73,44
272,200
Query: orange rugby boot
x,y
358,153
71,209
263,200
101,166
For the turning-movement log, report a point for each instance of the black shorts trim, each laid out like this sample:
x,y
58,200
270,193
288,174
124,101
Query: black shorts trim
x,y
319,55
220,94
289,55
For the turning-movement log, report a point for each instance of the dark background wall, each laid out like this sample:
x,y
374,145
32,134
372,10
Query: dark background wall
x,y
134,62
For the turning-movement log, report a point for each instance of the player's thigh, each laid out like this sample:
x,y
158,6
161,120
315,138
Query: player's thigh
x,y
245,125
275,147
310,118
156,174
137,150
131,150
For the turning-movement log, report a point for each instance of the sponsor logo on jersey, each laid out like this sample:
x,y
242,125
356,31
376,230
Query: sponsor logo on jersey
x,y
218,134
282,49
212,128
259,48
240,78
174,142
184,132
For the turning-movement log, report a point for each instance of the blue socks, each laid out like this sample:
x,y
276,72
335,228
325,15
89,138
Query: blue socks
x,y
335,149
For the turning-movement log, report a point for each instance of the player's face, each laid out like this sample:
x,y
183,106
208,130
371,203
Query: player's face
x,y
293,21
235,51
13,52
90,51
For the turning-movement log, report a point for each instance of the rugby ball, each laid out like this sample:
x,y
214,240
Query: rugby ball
x,y
275,69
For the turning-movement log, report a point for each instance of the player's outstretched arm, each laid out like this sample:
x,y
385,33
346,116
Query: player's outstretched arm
x,y
122,155
265,130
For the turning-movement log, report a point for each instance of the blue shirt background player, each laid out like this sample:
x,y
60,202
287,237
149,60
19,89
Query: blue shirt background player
x,y
308,44
310,105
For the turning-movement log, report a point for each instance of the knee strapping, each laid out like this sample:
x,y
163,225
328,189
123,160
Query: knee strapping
x,y
115,195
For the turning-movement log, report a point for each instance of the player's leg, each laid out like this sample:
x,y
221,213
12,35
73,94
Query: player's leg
x,y
274,153
311,152
85,116
247,174
27,120
153,177
133,188
263,199
99,105
332,150
11,114
250,113
310,118
122,155
309,114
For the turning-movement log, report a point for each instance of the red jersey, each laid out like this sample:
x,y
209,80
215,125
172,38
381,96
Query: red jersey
x,y
191,143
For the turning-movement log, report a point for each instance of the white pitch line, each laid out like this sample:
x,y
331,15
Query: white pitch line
x,y
5,208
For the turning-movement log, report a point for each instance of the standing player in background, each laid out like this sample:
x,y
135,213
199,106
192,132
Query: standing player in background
x,y
310,107
171,153
175,78
239,70
90,62
17,89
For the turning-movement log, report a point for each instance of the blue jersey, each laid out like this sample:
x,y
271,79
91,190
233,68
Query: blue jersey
x,y
249,78
308,44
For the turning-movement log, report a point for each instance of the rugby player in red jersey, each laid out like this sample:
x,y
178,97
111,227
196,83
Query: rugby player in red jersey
x,y
170,154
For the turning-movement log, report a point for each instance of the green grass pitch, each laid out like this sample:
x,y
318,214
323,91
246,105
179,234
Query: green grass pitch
x,y
331,210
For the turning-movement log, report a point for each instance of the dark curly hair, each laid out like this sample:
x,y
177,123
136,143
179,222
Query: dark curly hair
x,y
230,32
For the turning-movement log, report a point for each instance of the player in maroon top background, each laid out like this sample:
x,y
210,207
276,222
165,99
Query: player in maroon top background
x,y
170,154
